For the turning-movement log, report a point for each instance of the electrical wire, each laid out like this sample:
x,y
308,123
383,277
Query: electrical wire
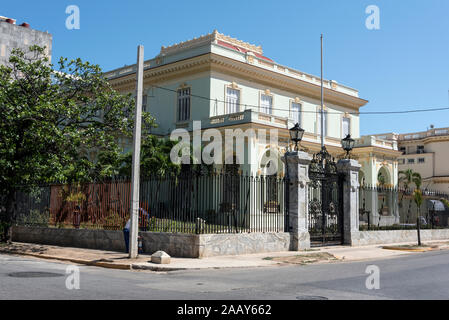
x,y
309,111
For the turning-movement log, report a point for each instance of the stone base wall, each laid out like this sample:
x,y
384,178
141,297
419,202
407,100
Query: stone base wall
x,y
78,238
396,236
175,244
242,243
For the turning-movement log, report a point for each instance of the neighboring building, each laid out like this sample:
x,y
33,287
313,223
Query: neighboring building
x,y
22,37
227,83
425,152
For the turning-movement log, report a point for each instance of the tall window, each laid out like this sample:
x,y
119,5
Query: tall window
x,y
318,125
295,112
346,127
232,100
183,104
266,104
144,102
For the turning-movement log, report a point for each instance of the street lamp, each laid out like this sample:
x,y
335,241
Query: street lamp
x,y
296,134
347,144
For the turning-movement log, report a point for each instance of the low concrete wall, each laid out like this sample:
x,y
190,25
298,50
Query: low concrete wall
x,y
395,236
175,244
79,238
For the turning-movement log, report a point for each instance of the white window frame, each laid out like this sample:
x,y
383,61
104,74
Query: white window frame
x,y
183,104
345,118
262,108
228,105
296,115
318,121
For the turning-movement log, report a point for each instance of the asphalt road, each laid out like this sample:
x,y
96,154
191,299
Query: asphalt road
x,y
418,276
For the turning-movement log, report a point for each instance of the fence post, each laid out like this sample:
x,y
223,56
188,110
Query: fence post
x,y
350,169
297,173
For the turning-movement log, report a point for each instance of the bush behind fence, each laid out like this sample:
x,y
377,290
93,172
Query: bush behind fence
x,y
382,208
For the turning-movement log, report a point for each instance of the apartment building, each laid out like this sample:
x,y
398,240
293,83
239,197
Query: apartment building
x,y
13,35
425,152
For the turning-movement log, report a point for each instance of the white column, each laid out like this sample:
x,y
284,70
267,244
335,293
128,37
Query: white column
x,y
297,172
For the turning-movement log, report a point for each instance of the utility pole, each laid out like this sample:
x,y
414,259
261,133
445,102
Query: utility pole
x,y
322,97
135,176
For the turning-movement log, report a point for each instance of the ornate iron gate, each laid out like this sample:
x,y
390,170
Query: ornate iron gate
x,y
325,218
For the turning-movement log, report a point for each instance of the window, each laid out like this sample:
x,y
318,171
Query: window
x,y
144,102
421,160
319,122
401,161
232,100
411,161
346,127
402,149
266,104
183,104
295,112
420,149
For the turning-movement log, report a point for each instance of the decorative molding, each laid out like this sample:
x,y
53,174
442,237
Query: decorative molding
x,y
234,85
241,70
210,38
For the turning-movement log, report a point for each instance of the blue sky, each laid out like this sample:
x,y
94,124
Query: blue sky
x,y
404,65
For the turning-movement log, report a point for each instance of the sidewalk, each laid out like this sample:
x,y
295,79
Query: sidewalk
x,y
117,260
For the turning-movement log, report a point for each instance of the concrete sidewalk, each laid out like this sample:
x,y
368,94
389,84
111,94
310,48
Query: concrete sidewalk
x,y
117,260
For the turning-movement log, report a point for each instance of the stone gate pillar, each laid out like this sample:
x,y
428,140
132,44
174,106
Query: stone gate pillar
x,y
297,172
350,169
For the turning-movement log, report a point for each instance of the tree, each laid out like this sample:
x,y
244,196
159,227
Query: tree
x,y
418,198
154,158
407,177
58,125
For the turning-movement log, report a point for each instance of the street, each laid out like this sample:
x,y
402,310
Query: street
x,y
419,276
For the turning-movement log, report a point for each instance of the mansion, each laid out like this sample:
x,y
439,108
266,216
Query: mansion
x,y
226,84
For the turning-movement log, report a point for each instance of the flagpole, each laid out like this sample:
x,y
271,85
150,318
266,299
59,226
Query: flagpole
x,y
322,98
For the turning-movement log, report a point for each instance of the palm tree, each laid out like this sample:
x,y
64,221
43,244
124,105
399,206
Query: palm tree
x,y
417,196
407,177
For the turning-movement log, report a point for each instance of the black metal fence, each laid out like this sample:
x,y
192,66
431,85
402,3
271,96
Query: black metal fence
x,y
189,203
383,208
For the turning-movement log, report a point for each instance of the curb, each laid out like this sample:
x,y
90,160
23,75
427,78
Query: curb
x,y
408,249
84,262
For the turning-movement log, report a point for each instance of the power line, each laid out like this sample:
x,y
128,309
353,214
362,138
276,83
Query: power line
x,y
308,111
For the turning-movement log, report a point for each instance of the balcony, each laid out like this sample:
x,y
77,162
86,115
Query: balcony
x,y
239,118
424,134
373,141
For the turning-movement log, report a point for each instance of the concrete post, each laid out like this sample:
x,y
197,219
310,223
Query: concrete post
x,y
350,168
135,174
297,171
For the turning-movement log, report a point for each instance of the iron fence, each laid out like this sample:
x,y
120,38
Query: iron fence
x,y
384,208
213,202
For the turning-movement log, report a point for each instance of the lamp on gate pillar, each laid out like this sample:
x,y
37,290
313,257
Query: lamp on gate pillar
x,y
348,144
296,134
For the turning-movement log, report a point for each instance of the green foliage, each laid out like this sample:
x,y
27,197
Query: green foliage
x,y
407,177
445,202
66,124
154,158
59,125
34,218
